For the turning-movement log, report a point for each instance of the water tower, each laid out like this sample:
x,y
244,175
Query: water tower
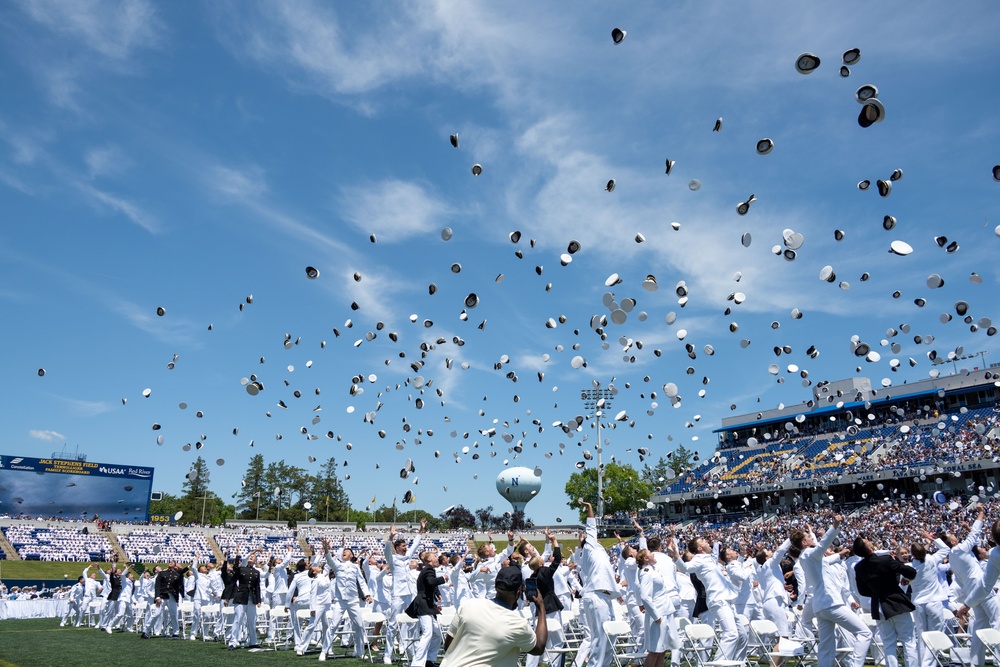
x,y
518,486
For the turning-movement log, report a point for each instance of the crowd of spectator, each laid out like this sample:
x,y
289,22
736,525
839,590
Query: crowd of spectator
x,y
932,440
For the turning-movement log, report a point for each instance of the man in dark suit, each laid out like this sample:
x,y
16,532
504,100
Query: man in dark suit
x,y
169,588
878,578
228,576
246,599
425,608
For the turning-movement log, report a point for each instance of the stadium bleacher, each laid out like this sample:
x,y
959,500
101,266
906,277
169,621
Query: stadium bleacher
x,y
273,541
55,543
150,544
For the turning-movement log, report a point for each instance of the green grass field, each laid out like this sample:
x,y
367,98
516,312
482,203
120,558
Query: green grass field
x,y
33,569
42,643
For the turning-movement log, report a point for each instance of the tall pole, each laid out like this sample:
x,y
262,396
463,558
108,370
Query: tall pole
x,y
204,499
597,400
258,506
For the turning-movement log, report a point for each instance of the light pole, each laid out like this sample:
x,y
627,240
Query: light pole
x,y
204,499
597,400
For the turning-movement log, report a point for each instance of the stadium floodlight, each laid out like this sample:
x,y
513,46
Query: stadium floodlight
x,y
595,401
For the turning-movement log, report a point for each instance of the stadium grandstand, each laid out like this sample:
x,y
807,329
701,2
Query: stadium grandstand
x,y
847,443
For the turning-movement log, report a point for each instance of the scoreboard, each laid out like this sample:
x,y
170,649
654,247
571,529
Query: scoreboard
x,y
73,489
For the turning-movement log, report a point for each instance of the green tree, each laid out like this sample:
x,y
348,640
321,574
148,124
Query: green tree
x,y
486,518
681,460
624,491
196,482
459,517
328,496
252,488
284,489
166,505
198,503
659,475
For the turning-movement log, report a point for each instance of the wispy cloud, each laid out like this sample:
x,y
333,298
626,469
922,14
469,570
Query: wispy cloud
x,y
106,160
174,330
86,408
247,188
394,210
117,204
46,435
115,29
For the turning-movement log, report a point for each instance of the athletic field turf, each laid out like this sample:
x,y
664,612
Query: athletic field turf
x,y
42,643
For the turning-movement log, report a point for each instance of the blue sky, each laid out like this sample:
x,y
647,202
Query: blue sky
x,y
187,155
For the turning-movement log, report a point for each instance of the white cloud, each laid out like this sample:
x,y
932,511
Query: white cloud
x,y
248,182
46,435
120,205
173,329
113,28
393,210
85,408
106,160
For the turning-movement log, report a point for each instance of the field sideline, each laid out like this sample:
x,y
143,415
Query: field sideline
x,y
42,643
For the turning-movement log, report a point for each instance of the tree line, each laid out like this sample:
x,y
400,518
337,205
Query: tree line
x,y
276,491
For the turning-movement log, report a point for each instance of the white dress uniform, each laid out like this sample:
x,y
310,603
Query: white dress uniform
x,y
829,607
655,593
350,591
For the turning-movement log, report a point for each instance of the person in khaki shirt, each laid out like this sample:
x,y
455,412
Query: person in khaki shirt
x,y
492,633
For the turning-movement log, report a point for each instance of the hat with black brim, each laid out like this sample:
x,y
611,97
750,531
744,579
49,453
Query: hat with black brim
x,y
872,112
806,63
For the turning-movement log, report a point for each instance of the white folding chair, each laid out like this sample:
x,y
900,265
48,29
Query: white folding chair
x,y
185,614
407,638
94,612
281,628
228,616
991,640
624,651
209,617
701,632
565,654
763,634
941,647
371,619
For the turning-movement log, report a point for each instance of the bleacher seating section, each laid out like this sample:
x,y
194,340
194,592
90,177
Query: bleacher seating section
x,y
58,543
950,438
274,542
151,545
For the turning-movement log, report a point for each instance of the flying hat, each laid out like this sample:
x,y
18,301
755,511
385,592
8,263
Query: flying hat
x,y
806,63
454,140
852,56
872,112
764,146
845,71
617,35
884,187
477,169
865,93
